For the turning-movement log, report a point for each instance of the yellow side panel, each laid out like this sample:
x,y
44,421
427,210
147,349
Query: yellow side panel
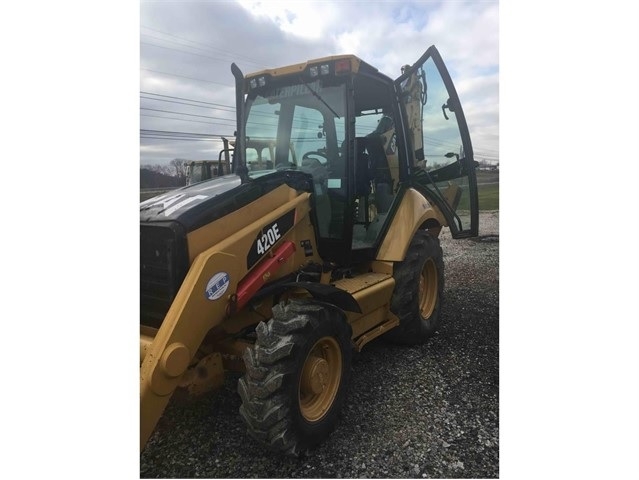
x,y
213,233
412,213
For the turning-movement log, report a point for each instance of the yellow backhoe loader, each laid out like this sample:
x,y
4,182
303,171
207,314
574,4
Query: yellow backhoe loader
x,y
284,271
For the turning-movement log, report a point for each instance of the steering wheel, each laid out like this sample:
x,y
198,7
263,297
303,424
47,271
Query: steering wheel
x,y
323,158
285,166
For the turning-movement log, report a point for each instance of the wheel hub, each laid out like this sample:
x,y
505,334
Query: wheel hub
x,y
320,379
315,376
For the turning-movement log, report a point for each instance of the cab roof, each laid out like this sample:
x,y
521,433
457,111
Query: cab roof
x,y
357,64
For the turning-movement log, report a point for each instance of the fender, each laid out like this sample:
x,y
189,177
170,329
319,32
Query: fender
x,y
414,211
328,294
319,291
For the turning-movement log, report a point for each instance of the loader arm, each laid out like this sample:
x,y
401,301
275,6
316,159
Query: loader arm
x,y
202,303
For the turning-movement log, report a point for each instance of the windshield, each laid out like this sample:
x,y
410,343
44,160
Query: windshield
x,y
299,126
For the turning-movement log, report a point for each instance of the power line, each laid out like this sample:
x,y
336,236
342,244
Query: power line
x,y
189,78
186,120
208,46
186,99
183,103
151,137
172,135
195,134
217,59
187,114
155,37
224,108
226,61
205,116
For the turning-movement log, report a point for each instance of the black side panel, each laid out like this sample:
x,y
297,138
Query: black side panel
x,y
163,266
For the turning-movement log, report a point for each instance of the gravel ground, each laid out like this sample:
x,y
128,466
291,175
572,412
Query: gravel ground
x,y
430,411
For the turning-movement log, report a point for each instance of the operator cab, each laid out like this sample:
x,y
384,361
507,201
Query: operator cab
x,y
339,120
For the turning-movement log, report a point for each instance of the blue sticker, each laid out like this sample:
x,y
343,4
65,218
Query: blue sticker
x,y
217,286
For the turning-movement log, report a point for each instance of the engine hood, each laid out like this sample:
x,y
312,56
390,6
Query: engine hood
x,y
196,205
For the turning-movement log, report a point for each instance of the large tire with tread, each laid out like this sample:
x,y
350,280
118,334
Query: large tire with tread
x,y
296,376
419,287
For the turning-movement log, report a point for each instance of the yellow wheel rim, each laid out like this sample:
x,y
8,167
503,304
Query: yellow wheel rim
x,y
320,379
428,289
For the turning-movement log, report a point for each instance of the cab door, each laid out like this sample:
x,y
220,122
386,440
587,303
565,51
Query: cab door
x,y
442,164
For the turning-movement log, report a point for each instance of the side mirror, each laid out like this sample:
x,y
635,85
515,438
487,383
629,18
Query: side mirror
x,y
451,105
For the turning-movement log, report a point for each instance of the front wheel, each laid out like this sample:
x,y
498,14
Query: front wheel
x,y
296,376
419,287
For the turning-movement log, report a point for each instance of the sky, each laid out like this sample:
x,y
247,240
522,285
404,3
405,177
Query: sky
x,y
186,49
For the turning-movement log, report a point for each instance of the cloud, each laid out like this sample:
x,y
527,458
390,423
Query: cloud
x,y
187,48
310,20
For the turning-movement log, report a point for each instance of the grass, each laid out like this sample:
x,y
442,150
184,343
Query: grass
x,y
488,196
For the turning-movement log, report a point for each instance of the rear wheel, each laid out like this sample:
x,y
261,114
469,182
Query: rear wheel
x,y
296,376
419,286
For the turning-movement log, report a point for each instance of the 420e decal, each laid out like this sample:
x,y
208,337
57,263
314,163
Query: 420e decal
x,y
268,236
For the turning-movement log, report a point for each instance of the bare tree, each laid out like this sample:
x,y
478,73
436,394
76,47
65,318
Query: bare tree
x,y
179,165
